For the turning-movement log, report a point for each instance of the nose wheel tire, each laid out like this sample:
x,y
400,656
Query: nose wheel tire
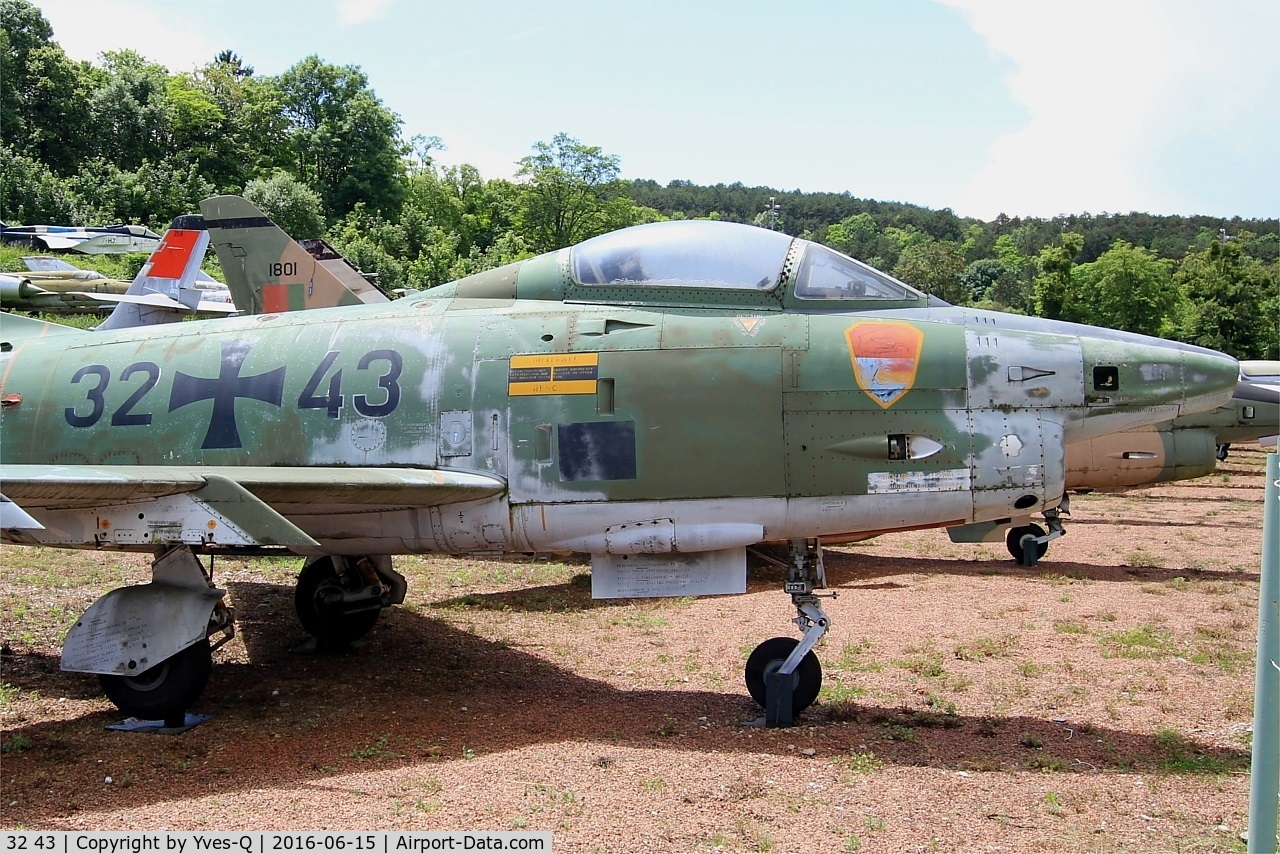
x,y
326,622
1020,551
769,657
165,691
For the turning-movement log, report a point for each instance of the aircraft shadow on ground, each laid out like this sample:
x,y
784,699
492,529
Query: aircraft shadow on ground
x,y
573,595
318,716
1244,524
844,569
853,570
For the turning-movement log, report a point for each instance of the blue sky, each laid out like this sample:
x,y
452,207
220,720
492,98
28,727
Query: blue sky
x,y
1028,107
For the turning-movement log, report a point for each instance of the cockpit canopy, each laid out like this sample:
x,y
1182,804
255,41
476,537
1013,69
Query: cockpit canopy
x,y
698,263
683,254
710,254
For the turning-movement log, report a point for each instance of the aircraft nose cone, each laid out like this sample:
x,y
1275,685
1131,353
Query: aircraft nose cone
x,y
1209,379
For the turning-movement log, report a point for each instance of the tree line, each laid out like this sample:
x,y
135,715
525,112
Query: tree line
x,y
124,140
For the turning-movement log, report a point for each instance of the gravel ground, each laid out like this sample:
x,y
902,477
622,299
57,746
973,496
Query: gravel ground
x,y
1101,701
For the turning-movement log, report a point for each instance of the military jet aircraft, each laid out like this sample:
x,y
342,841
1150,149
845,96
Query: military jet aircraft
x,y
1182,448
170,286
52,285
1256,414
270,273
661,397
93,240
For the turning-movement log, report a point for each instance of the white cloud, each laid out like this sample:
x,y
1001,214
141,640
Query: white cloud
x,y
157,31
1118,95
352,12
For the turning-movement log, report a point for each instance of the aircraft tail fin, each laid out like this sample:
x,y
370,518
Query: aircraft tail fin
x,y
269,272
163,291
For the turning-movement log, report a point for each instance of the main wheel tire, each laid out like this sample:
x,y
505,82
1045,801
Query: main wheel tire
x,y
165,691
321,622
768,657
1014,543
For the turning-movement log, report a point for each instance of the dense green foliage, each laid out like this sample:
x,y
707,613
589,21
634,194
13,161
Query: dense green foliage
x,y
314,147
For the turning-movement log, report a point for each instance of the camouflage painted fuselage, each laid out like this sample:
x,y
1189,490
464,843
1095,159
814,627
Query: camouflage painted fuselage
x,y
615,429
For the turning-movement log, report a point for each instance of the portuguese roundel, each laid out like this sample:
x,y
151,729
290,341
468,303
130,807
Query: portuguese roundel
x,y
886,355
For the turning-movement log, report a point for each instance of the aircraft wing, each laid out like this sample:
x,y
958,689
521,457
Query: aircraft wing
x,y
64,487
215,505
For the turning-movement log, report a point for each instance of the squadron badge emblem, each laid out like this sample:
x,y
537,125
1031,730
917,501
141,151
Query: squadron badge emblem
x,y
885,357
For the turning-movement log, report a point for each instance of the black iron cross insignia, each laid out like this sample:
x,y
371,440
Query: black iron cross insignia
x,y
223,391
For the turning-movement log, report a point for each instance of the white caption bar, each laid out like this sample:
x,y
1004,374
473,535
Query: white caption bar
x,y
259,842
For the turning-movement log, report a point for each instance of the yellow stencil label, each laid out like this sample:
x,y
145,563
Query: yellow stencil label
x,y
561,373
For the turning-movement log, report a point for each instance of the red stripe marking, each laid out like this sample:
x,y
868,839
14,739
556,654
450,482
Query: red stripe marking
x,y
275,298
170,257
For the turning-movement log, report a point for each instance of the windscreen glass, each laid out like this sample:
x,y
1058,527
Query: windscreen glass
x,y
826,274
45,264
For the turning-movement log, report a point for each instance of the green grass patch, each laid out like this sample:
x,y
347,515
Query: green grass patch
x,y
859,763
376,749
1048,764
926,664
1142,641
841,701
853,656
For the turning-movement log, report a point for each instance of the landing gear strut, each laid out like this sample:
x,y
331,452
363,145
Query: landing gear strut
x,y
783,674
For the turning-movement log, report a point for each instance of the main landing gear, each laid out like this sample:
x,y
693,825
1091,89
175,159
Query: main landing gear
x,y
338,599
149,643
782,674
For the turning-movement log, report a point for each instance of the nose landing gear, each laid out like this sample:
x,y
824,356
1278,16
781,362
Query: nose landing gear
x,y
782,674
1028,543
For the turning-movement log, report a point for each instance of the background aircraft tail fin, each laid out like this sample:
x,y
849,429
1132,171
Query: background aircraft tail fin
x,y
163,291
269,272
